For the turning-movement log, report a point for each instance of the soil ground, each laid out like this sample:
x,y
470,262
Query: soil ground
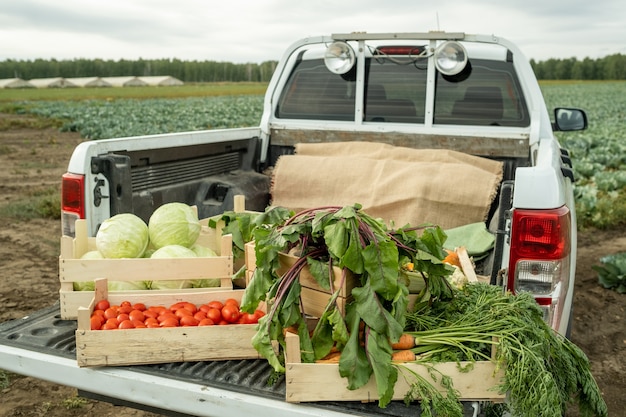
x,y
33,160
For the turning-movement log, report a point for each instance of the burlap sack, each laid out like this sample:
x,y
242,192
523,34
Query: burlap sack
x,y
400,185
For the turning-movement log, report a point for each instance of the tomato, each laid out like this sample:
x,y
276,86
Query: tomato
x,y
259,313
151,322
188,321
190,307
216,304
126,324
157,309
125,304
112,322
109,326
99,313
139,306
125,308
232,301
200,315
176,306
150,313
230,313
170,322
206,322
182,312
110,313
204,307
137,315
96,322
122,316
138,324
166,316
214,314
248,318
103,305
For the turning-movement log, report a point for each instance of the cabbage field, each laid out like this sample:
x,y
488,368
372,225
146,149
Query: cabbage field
x,y
598,154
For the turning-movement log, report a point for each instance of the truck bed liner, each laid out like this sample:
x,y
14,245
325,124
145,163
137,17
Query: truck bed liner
x,y
157,387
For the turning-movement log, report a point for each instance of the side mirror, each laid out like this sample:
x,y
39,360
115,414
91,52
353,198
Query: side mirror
x,y
569,119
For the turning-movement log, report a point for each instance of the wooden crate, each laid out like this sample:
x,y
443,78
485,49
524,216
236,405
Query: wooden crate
x,y
73,269
161,345
303,380
314,297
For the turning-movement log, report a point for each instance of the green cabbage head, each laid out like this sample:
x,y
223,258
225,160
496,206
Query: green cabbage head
x,y
172,251
174,224
124,235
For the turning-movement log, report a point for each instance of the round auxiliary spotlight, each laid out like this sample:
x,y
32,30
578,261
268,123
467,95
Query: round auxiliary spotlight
x,y
339,58
450,58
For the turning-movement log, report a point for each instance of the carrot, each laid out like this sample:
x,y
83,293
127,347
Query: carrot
x,y
332,357
452,258
406,341
405,355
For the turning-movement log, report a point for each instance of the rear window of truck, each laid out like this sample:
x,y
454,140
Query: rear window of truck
x,y
396,93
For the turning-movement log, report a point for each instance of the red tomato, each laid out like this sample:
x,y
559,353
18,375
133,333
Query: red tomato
x,y
126,324
125,309
122,316
125,304
176,306
96,322
139,306
137,315
214,314
259,313
230,313
204,307
188,321
99,313
248,318
182,312
232,301
110,313
151,322
103,305
216,304
166,316
138,324
200,315
206,322
170,322
112,322
150,313
190,307
109,326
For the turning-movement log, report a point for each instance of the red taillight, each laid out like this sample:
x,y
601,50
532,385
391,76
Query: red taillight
x,y
72,201
72,194
400,50
540,234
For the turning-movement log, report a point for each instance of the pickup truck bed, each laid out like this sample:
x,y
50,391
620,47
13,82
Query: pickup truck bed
x,y
45,348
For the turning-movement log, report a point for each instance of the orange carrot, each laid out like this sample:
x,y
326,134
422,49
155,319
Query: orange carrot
x,y
332,357
452,258
406,341
405,355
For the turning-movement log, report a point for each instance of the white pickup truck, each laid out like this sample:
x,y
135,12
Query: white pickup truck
x,y
474,94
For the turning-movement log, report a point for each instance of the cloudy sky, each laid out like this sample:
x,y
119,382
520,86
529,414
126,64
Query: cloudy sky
x,y
259,30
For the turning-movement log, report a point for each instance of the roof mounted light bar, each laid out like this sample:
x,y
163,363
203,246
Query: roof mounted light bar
x,y
364,36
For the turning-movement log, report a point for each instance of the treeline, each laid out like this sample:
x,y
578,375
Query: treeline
x,y
612,67
187,71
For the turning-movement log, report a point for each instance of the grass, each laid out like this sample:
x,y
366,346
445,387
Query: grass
x,y
40,204
9,96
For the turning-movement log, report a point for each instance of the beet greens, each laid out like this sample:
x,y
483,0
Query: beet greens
x,y
357,243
